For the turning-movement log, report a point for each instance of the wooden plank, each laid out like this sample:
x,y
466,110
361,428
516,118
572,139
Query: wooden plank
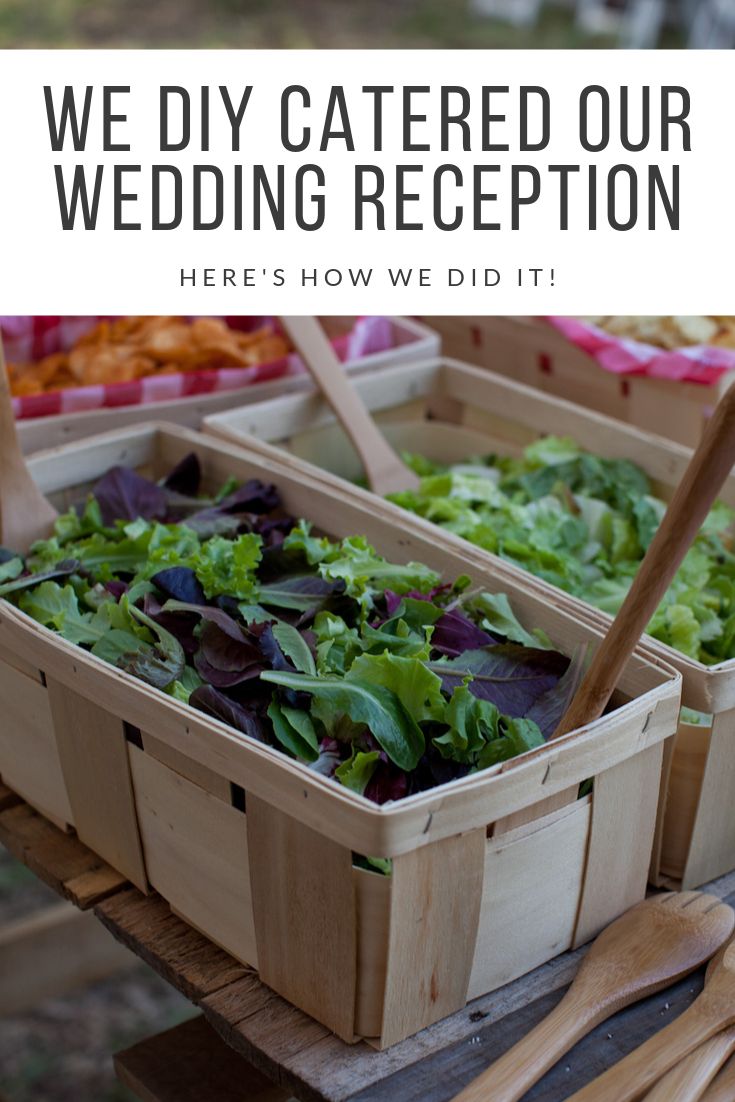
x,y
435,911
59,859
624,805
94,759
678,808
712,849
8,658
191,1063
302,883
537,874
51,952
186,959
196,852
8,798
212,782
372,894
29,758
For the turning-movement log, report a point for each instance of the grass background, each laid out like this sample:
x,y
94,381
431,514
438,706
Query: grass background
x,y
274,23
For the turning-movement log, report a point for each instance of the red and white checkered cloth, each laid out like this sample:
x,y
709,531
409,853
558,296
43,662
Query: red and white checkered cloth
x,y
31,338
623,356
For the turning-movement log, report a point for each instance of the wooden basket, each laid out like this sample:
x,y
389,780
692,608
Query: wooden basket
x,y
257,850
695,838
411,341
533,352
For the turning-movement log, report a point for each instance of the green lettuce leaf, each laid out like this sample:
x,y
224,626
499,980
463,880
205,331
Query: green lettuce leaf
x,y
377,707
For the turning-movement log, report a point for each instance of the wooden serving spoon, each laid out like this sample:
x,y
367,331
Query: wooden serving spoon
x,y
688,1081
712,1011
25,514
386,472
646,949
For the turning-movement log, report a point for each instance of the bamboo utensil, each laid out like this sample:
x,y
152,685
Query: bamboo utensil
x,y
386,472
712,1011
25,514
687,1081
649,947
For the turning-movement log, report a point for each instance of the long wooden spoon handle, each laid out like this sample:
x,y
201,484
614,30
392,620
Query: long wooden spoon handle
x,y
642,1068
688,1081
8,429
510,1077
385,471
708,469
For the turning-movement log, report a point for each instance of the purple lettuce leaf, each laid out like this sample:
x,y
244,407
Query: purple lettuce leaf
x,y
253,496
303,593
548,709
186,477
213,522
117,589
393,600
182,625
387,783
271,648
212,613
224,661
179,583
227,653
213,703
510,676
123,494
330,756
454,633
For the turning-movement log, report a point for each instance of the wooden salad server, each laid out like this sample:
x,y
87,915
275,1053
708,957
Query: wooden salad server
x,y
649,947
25,514
689,1079
386,472
712,1011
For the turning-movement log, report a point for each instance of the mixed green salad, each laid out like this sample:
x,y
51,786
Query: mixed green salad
x,y
380,675
584,523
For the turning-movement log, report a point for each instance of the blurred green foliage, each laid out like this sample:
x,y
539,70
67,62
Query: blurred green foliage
x,y
273,23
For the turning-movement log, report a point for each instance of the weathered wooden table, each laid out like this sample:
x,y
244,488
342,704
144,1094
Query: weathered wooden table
x,y
296,1053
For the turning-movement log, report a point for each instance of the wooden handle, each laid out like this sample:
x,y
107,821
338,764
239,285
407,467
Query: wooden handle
x,y
688,1081
510,1077
10,453
697,491
642,1068
25,515
722,1089
385,471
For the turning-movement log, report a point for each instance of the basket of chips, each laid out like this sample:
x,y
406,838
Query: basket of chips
x,y
74,376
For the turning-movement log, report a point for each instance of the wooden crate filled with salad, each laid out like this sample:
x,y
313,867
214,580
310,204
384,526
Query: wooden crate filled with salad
x,y
577,510
301,722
